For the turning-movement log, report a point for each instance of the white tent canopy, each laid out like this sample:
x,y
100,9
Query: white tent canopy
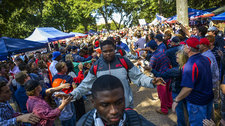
x,y
48,34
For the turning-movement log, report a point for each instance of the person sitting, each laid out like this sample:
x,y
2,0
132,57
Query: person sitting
x,y
109,106
8,117
38,106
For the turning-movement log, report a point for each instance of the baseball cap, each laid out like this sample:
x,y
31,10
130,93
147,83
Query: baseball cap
x,y
159,37
213,28
153,45
204,41
31,85
175,39
193,42
55,55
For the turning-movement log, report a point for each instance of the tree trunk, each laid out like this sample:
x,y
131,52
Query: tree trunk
x,y
160,6
182,12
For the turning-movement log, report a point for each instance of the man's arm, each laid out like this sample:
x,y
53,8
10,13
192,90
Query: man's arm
x,y
85,86
184,29
52,90
185,91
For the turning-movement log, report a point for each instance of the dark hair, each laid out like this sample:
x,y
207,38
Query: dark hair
x,y
203,30
70,66
151,35
107,42
2,84
105,83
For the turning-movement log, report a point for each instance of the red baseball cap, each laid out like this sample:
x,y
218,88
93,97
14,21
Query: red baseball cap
x,y
204,41
182,43
193,42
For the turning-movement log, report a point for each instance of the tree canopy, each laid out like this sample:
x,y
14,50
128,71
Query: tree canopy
x,y
18,18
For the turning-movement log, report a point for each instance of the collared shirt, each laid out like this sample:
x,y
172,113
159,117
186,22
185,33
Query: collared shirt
x,y
21,98
197,75
160,62
52,68
42,109
7,115
124,46
214,67
161,47
140,44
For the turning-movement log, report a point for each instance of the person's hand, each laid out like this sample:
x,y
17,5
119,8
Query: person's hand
x,y
207,122
158,81
94,54
80,67
174,105
61,95
148,68
10,78
139,63
67,100
93,60
220,53
66,86
28,118
74,85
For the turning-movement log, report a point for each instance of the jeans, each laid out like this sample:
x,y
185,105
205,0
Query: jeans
x,y
197,113
180,111
222,105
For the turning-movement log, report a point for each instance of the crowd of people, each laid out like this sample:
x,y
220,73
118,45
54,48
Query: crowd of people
x,y
186,65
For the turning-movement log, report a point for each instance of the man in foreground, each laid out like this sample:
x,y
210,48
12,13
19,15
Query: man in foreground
x,y
109,103
118,66
197,84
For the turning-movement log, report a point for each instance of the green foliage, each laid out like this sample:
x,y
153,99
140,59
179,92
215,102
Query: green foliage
x,y
18,18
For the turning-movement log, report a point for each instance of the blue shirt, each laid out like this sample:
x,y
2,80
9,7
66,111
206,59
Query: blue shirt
x,y
21,98
171,54
148,45
161,47
197,75
7,115
124,46
214,67
160,62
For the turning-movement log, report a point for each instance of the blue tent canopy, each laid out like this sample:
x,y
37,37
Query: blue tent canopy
x,y
48,34
78,34
219,17
9,46
191,13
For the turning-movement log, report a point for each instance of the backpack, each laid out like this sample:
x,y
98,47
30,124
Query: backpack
x,y
133,118
122,61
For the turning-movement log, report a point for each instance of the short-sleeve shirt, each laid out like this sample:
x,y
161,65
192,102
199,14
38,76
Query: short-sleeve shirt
x,y
162,47
197,75
160,62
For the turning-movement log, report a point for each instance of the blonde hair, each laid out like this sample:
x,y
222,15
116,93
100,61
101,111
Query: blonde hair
x,y
182,58
30,93
69,57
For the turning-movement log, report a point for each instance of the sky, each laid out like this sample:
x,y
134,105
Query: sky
x,y
101,20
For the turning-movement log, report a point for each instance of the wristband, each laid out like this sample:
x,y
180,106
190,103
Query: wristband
x,y
175,101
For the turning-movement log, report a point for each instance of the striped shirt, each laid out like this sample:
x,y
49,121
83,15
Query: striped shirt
x,y
160,62
7,115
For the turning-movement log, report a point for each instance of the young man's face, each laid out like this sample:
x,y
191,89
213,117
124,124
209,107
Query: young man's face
x,y
108,52
110,105
5,94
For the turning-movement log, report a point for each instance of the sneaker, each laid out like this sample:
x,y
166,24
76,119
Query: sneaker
x,y
160,112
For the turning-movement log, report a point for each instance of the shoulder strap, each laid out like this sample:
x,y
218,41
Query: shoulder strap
x,y
95,68
121,52
89,119
133,118
124,63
